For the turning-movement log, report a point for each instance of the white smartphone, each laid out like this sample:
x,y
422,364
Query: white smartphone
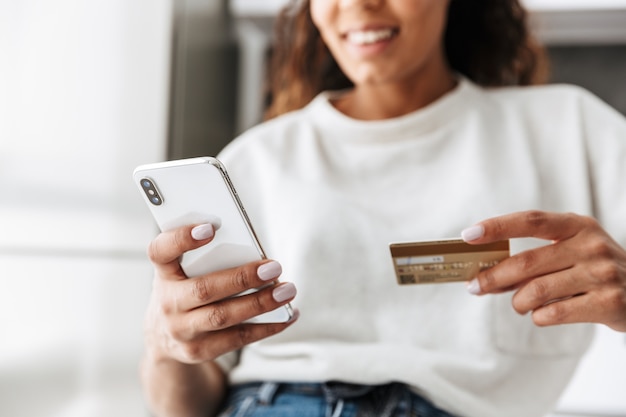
x,y
198,190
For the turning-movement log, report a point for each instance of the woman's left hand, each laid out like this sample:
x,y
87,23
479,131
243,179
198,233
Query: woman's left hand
x,y
580,277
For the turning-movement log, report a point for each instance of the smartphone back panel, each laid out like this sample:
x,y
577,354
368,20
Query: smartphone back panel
x,y
196,191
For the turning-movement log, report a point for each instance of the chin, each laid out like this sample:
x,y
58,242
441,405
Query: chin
x,y
370,78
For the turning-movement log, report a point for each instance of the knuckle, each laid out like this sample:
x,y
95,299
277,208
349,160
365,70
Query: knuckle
x,y
179,241
244,335
497,228
538,291
600,247
240,278
153,251
168,245
554,313
217,317
488,280
611,273
200,290
588,221
606,272
536,218
258,305
174,331
532,295
615,301
526,260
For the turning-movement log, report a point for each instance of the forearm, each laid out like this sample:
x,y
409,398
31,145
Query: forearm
x,y
173,388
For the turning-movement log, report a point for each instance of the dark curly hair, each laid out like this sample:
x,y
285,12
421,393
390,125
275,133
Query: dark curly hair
x,y
488,41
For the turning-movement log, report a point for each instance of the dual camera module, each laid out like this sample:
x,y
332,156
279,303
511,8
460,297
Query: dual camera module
x,y
151,192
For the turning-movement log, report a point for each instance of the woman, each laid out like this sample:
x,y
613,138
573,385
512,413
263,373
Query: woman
x,y
385,128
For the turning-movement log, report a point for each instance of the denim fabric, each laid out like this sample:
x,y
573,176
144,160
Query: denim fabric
x,y
272,399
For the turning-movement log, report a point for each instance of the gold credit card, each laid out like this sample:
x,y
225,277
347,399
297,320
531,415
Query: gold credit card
x,y
448,260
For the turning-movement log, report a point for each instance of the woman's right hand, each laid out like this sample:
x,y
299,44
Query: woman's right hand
x,y
196,319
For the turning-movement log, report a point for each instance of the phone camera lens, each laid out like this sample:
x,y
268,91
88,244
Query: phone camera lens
x,y
151,192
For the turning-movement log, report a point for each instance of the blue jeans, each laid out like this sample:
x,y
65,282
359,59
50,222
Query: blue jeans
x,y
272,399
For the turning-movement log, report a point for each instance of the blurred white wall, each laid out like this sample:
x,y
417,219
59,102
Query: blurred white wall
x,y
83,100
84,90
573,4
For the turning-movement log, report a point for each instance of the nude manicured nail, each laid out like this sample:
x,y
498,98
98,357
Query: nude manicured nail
x,y
284,292
473,233
202,232
269,271
473,287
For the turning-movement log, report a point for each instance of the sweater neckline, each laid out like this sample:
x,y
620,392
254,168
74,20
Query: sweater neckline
x,y
441,112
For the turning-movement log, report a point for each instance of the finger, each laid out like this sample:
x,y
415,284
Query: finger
x,y
211,345
534,223
206,289
585,308
605,306
166,249
233,311
539,292
518,269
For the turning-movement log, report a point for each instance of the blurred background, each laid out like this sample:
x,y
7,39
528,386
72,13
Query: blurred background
x,y
91,89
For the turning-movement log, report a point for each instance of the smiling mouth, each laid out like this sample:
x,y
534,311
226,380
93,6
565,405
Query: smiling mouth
x,y
368,37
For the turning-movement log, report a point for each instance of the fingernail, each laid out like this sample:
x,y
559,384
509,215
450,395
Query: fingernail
x,y
202,232
284,292
473,233
269,271
473,287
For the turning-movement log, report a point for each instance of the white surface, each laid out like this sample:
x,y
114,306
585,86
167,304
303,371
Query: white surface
x,y
582,27
599,385
254,43
256,7
574,4
84,90
83,100
83,103
71,335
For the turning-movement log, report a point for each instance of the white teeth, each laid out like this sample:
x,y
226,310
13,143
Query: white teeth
x,y
366,37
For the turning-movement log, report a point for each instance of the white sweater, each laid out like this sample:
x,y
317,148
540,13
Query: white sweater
x,y
327,194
